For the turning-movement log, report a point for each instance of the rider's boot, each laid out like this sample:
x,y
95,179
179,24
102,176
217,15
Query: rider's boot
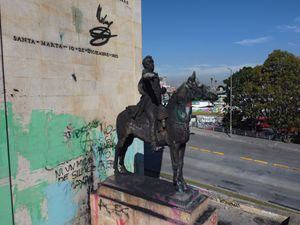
x,y
154,146
163,124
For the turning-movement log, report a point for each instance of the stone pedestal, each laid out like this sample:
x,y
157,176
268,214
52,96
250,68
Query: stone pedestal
x,y
133,200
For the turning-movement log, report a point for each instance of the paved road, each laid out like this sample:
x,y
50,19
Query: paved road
x,y
253,169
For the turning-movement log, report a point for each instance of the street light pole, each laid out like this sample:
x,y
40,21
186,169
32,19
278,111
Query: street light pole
x,y
230,112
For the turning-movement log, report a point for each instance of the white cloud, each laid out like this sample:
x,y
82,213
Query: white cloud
x,y
211,70
292,28
254,41
204,72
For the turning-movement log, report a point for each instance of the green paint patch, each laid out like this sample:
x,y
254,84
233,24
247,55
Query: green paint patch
x,y
42,142
48,141
31,199
77,18
3,145
5,209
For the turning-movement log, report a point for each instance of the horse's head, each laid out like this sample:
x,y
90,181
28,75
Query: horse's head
x,y
199,91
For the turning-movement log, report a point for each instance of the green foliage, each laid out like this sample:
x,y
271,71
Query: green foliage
x,y
271,90
246,97
281,76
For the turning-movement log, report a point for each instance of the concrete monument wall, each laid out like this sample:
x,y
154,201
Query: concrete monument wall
x,y
69,68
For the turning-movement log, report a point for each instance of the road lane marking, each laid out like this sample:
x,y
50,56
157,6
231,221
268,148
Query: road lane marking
x,y
246,158
277,165
218,153
280,166
261,162
205,150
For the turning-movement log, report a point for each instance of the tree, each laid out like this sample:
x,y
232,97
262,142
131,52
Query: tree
x,y
271,90
245,94
281,88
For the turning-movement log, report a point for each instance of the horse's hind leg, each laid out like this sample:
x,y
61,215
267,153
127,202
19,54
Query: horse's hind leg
x,y
118,151
127,142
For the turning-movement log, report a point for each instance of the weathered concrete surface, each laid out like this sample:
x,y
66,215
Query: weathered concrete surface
x,y
63,95
235,210
133,200
5,196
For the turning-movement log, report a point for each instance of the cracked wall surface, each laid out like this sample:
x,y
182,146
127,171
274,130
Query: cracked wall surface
x,y
68,73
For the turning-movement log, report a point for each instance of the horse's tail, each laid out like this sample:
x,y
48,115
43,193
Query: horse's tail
x,y
125,139
122,123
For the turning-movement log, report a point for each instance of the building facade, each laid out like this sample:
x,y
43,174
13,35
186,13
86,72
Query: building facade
x,y
67,69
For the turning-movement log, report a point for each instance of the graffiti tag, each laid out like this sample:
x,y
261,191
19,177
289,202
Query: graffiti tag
x,y
102,34
114,208
97,138
78,171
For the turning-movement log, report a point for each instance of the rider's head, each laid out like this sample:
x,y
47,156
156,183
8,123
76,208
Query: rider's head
x,y
148,63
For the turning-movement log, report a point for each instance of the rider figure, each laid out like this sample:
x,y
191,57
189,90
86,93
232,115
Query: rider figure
x,y
151,91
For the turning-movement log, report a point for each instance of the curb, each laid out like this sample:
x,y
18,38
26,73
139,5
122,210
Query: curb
x,y
263,213
239,201
276,145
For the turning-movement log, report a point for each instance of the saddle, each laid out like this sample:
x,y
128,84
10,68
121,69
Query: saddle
x,y
161,114
132,110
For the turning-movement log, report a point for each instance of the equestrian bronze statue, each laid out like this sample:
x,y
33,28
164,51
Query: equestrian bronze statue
x,y
159,125
151,101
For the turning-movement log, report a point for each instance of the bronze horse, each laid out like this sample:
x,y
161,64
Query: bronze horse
x,y
175,134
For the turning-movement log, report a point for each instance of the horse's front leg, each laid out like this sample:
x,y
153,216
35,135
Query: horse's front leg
x,y
123,169
174,160
116,161
180,180
120,152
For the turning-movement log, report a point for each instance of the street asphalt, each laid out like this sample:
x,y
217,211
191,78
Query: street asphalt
x,y
249,167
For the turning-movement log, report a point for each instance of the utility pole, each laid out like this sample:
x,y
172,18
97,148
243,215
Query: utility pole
x,y
230,112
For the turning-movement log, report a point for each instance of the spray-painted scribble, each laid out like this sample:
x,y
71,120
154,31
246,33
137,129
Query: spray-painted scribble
x,y
97,138
79,171
68,132
102,34
114,209
90,137
121,222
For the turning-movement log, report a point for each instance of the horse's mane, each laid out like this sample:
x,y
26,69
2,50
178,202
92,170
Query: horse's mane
x,y
175,94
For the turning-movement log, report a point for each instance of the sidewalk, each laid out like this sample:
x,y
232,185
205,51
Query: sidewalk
x,y
276,145
236,209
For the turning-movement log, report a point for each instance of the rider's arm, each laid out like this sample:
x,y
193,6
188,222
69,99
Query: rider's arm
x,y
141,88
148,75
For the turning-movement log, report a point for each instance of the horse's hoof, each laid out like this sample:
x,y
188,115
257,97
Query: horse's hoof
x,y
123,170
182,187
179,189
185,186
116,172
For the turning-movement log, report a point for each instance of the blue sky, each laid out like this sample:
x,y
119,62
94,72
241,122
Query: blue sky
x,y
209,36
